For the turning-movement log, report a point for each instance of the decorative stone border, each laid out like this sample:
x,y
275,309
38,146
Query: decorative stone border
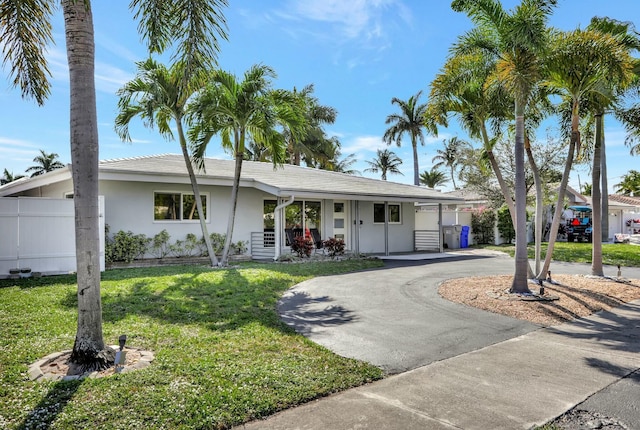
x,y
36,374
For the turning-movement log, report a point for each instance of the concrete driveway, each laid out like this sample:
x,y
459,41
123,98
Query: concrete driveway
x,y
394,317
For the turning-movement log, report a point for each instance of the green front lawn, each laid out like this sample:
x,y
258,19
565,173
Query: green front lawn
x,y
222,355
612,253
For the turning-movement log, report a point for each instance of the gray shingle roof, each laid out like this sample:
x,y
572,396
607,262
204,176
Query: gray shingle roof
x,y
281,181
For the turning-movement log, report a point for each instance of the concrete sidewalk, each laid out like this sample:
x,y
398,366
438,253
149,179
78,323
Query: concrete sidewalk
x,y
515,384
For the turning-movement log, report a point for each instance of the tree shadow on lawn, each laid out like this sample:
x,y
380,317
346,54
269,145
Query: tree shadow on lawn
x,y
51,405
190,298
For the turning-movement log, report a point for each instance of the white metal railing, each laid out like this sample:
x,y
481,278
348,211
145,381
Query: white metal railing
x,y
426,240
263,244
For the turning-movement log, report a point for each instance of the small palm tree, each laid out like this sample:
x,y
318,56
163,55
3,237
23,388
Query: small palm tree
x,y
630,184
450,156
45,163
432,178
159,96
411,120
240,111
385,162
9,177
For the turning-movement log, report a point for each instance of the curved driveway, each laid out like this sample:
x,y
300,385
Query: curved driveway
x,y
394,318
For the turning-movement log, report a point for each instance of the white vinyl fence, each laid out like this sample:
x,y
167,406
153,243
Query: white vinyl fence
x,y
39,234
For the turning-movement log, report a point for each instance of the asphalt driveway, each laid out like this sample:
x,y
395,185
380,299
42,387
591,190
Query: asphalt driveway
x,y
394,318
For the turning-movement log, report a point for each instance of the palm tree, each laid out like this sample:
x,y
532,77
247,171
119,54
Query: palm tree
x,y
241,110
411,120
316,115
45,163
518,40
385,162
630,184
450,156
593,58
9,177
432,178
159,95
163,22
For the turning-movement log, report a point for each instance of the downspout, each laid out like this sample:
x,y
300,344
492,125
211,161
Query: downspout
x,y
440,232
278,230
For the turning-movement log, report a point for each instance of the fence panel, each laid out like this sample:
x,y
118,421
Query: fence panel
x,y
39,233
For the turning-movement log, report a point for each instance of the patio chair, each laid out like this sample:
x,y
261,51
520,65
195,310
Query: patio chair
x,y
317,239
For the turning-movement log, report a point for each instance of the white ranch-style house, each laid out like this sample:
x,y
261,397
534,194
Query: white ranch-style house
x,y
146,195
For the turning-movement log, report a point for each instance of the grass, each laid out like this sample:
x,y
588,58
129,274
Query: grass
x,y
222,355
612,253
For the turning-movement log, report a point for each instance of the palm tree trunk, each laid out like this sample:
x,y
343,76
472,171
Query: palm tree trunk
x,y
506,193
89,351
453,180
555,223
196,194
416,167
234,197
539,204
520,281
596,236
604,190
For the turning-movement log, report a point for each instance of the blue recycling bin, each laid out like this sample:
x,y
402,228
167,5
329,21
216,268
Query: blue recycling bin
x,y
464,237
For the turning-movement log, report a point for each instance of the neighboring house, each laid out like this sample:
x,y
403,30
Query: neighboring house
x,y
623,211
148,194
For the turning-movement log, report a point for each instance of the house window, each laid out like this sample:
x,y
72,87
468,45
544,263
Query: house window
x,y
177,207
394,213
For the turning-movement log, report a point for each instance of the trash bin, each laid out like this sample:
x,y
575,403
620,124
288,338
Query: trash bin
x,y
451,236
464,237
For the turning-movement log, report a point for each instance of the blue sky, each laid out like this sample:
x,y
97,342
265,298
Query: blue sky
x,y
358,54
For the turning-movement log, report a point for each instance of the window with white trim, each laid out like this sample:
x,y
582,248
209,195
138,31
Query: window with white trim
x,y
177,206
394,213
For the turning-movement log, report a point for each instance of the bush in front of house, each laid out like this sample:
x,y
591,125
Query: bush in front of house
x,y
125,246
334,247
303,246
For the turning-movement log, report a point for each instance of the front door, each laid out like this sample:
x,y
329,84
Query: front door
x,y
341,221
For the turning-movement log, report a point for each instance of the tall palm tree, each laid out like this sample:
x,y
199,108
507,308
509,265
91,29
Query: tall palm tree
x,y
26,34
518,40
577,65
385,162
9,177
462,89
450,156
411,120
241,110
432,178
45,163
160,97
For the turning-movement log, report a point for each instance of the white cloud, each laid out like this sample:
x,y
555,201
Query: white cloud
x,y
7,141
363,143
110,79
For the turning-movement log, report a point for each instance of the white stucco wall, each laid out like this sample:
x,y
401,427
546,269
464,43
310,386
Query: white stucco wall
x,y
129,206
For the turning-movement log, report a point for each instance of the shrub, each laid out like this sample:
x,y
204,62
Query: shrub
x,y
505,226
303,246
482,224
334,246
160,247
239,247
191,246
125,246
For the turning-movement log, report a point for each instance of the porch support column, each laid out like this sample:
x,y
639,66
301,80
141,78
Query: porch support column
x,y
440,244
386,228
277,217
